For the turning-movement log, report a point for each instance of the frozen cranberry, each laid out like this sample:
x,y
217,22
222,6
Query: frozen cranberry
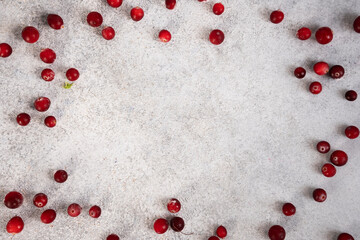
x,y
108,33
40,200
15,225
94,19
323,147
357,25
48,216
164,36
50,121
321,68
328,170
170,4
319,195
324,35
277,232
48,55
115,3
74,210
300,72
339,158
95,211
23,119
315,87
337,72
174,205
137,14
288,209
72,74
351,95
60,176
5,50
345,236
30,34
303,33
161,225
42,104
216,37
221,232
352,132
276,16
55,21
177,224
13,200
113,237
213,238
218,8
47,74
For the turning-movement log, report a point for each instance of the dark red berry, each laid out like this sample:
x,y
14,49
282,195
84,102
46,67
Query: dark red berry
x,y
300,72
95,211
48,55
5,50
174,205
50,121
137,14
218,8
23,119
321,68
15,225
339,158
216,37
276,16
328,170
277,232
55,21
108,33
324,35
74,210
42,104
94,19
351,95
319,195
72,74
164,36
60,176
170,4
47,74
13,200
345,236
221,232
357,25
315,87
115,3
161,225
303,33
177,224
213,238
288,209
113,237
30,34
48,216
337,72
40,200
323,147
352,132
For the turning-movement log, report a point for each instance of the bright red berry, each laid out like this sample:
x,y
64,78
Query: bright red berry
x,y
351,95
30,34
323,147
276,16
48,216
218,8
13,200
177,224
321,68
328,170
137,14
216,37
94,19
319,195
48,74
357,25
303,33
300,72
164,36
60,176
339,158
23,119
15,225
55,21
50,121
161,225
170,4
324,35
288,209
74,210
108,33
315,87
352,132
42,104
337,72
113,237
115,3
72,74
48,55
5,50
277,232
345,236
40,200
95,211
213,238
174,205
221,232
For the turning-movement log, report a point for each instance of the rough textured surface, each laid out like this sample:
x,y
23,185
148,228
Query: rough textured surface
x,y
226,129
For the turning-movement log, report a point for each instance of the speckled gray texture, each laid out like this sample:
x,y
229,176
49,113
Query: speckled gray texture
x,y
226,129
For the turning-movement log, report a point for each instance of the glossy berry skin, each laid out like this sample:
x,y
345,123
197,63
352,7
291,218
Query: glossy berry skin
x,y
170,4
60,176
23,119
115,3
72,74
339,158
48,55
113,237
174,205
315,87
321,68
95,211
337,72
323,147
40,200
55,21
351,95
277,232
328,170
108,33
356,25
164,36
300,72
94,19
216,37
30,34
345,236
352,132
303,33
48,74
213,238
15,225
177,224
50,121
48,216
288,209
74,210
13,200
42,104
5,50
221,232
276,17
319,195
324,35
218,8
137,14
161,225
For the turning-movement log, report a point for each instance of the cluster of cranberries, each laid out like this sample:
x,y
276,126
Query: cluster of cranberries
x,y
161,225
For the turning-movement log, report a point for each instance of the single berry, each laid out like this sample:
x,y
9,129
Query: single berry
x,y
48,55
48,216
170,4
161,225
351,95
213,238
216,37
303,33
15,225
321,68
174,205
60,176
277,232
5,50
55,21
300,72
221,232
13,200
95,211
324,35
137,14
108,33
337,72
47,74
164,36
30,34
328,170
276,16
315,87
288,209
42,104
94,19
352,132
339,158
177,224
115,3
319,195
218,8
74,210
23,119
50,121
357,25
40,200
113,237
345,236
72,74
323,147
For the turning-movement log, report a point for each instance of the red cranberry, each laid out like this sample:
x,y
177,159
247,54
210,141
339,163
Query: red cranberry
x,y
42,104
276,16
74,210
30,34
5,50
137,14
288,209
277,232
345,236
161,225
315,87
218,8
351,95
115,3
108,33
216,37
323,147
328,170
47,74
113,237
95,211
321,68
40,200
352,132
177,224
60,176
170,4
13,200
50,121
324,35
72,74
94,19
164,36
174,205
47,55
300,72
213,238
303,33
221,232
357,25
23,119
48,216
15,225
337,72
55,21
319,195
339,158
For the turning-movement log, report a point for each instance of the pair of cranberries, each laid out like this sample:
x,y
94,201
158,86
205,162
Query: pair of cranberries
x,y
322,68
72,74
323,35
95,19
